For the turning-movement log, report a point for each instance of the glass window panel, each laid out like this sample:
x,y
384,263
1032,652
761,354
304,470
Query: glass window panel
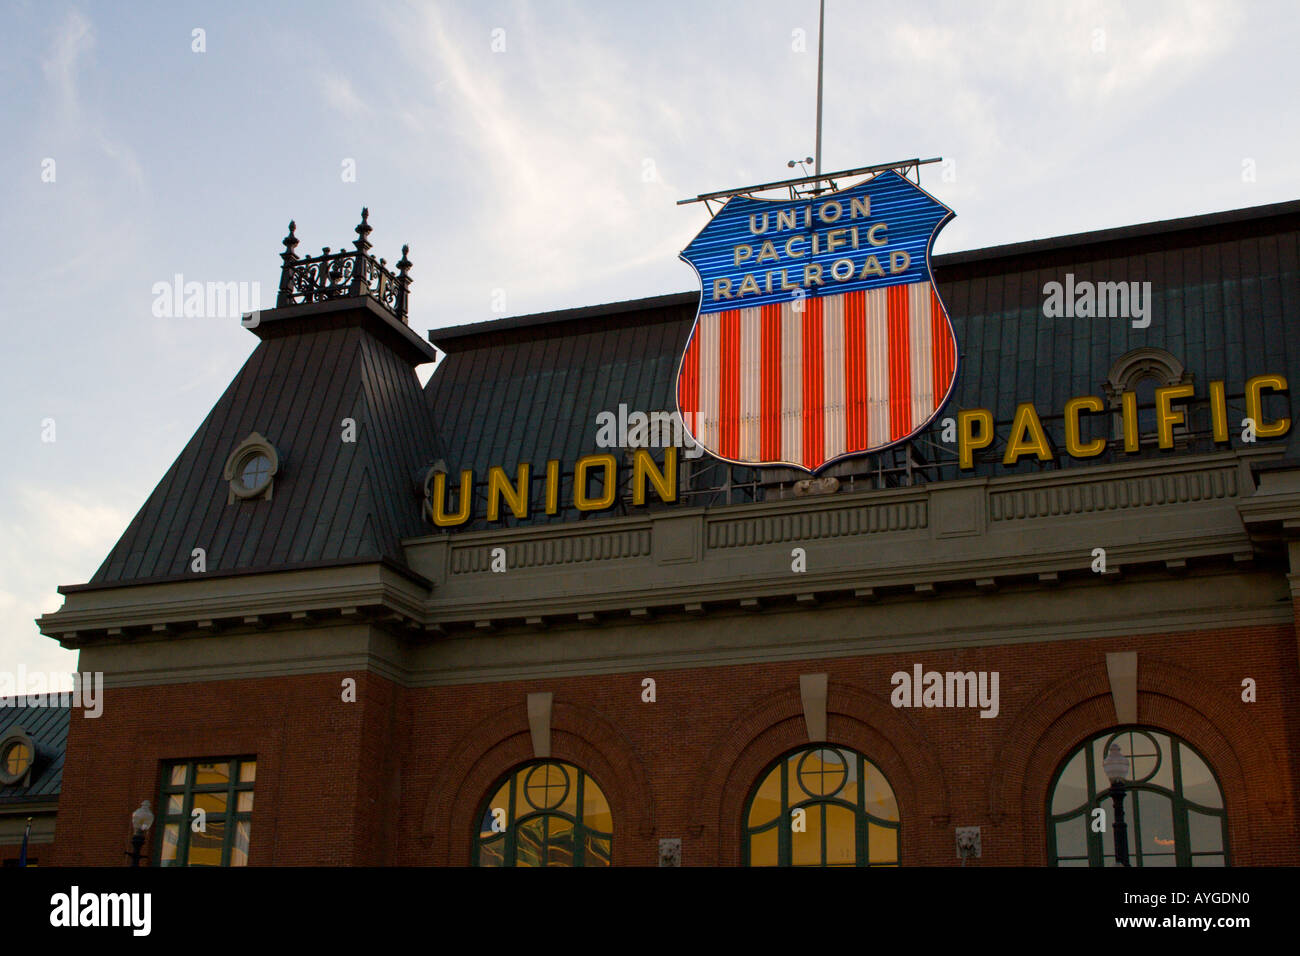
x,y
1155,822
821,772
1198,782
1205,832
239,851
492,852
247,771
206,847
806,847
1159,859
559,841
880,801
1210,860
530,842
767,802
178,775
245,801
1072,788
211,803
1072,836
1164,777
208,774
1143,751
546,786
596,814
171,834
175,804
882,844
841,836
1074,862
763,848
1099,781
597,851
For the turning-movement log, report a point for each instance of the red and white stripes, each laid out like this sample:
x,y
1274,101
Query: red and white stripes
x,y
808,381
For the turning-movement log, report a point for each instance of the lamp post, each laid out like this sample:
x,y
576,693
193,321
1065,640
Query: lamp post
x,y
141,820
1116,767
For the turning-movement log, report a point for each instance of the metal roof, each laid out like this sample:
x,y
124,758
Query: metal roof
x,y
1226,299
332,501
48,728
1226,292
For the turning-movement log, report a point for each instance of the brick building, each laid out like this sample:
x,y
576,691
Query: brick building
x,y
330,629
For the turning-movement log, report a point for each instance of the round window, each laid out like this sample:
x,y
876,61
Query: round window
x,y
255,472
17,758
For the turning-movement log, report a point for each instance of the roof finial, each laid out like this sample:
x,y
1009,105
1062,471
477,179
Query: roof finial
x,y
404,264
363,231
291,241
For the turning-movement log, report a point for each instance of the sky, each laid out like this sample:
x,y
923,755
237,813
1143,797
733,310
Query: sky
x,y
532,155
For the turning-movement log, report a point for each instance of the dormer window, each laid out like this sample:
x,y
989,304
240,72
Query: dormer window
x,y
251,469
16,754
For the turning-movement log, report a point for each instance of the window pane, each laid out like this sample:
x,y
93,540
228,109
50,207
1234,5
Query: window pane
x,y
882,844
807,846
763,848
767,802
245,804
530,842
1198,782
176,804
239,852
1072,788
171,833
1206,832
207,774
559,841
178,775
247,771
1212,860
206,847
841,836
1072,836
1154,814
880,800
210,803
595,808
490,852
597,851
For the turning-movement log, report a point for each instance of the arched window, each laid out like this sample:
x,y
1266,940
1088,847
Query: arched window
x,y
1172,804
821,806
545,813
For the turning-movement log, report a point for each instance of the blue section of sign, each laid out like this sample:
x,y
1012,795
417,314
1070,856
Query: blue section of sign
x,y
755,252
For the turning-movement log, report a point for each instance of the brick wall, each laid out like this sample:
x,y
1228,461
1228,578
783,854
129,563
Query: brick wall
x,y
399,776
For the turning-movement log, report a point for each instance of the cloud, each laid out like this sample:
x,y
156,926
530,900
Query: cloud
x,y
48,536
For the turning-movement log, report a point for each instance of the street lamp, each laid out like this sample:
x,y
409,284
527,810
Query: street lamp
x,y
1117,768
141,820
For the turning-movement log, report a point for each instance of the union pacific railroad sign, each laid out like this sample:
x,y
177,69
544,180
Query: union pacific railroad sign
x,y
820,334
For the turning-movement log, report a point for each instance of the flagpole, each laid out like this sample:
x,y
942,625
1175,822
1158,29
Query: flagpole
x,y
22,854
821,40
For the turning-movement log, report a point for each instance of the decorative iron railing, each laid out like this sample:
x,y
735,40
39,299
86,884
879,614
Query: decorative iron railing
x,y
340,275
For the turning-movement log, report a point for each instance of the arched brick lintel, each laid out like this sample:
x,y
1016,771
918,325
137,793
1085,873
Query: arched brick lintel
x,y
579,736
1170,698
775,725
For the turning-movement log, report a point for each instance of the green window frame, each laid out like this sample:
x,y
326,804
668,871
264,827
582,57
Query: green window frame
x,y
545,813
1173,804
837,788
222,787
